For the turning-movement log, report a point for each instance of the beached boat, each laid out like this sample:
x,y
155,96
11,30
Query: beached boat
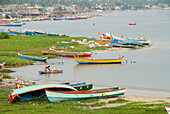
x,y
2,64
47,34
51,71
142,41
39,32
79,86
13,25
20,85
16,32
58,18
1,77
35,91
98,61
167,109
102,36
103,42
132,23
52,34
31,57
131,44
67,54
72,94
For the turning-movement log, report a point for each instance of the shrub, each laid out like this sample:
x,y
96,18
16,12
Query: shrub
x,y
4,35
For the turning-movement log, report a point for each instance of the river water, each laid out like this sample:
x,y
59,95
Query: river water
x,y
145,71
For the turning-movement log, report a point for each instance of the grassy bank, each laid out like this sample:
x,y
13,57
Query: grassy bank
x,y
42,105
33,46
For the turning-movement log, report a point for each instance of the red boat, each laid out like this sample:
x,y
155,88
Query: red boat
x,y
132,23
103,37
67,54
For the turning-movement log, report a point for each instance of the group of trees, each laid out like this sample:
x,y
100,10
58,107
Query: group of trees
x,y
124,4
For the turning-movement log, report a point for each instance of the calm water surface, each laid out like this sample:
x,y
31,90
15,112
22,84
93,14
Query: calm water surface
x,y
148,76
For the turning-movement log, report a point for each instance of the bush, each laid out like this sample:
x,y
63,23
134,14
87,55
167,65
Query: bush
x,y
4,35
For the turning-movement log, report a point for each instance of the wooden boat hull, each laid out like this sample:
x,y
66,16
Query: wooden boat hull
x,y
31,58
167,109
132,23
51,72
99,61
13,25
68,54
103,42
16,32
54,96
2,64
145,42
35,91
78,86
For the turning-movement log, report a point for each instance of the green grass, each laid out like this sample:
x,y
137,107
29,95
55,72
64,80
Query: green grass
x,y
118,101
6,71
42,105
98,104
6,76
30,45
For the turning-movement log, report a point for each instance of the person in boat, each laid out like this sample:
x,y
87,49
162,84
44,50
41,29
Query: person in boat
x,y
47,68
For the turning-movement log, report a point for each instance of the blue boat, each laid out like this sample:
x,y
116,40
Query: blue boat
x,y
35,91
13,25
31,57
51,71
103,42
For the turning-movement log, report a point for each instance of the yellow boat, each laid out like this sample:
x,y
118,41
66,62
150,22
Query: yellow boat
x,y
98,61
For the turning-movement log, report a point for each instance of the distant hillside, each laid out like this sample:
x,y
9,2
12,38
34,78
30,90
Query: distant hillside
x,y
127,4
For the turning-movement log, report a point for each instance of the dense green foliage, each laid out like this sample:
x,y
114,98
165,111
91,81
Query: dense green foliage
x,y
4,35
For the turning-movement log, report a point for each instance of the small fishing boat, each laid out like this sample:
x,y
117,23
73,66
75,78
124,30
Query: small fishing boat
x,y
107,41
20,85
13,25
72,94
35,91
58,18
16,32
2,64
167,109
39,32
67,54
1,77
78,85
98,61
102,36
51,71
47,34
31,57
130,45
132,23
143,41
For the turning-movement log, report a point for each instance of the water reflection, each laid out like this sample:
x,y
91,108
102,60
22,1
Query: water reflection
x,y
93,65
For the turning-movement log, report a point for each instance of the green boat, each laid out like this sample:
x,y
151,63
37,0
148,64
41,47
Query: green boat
x,y
80,86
